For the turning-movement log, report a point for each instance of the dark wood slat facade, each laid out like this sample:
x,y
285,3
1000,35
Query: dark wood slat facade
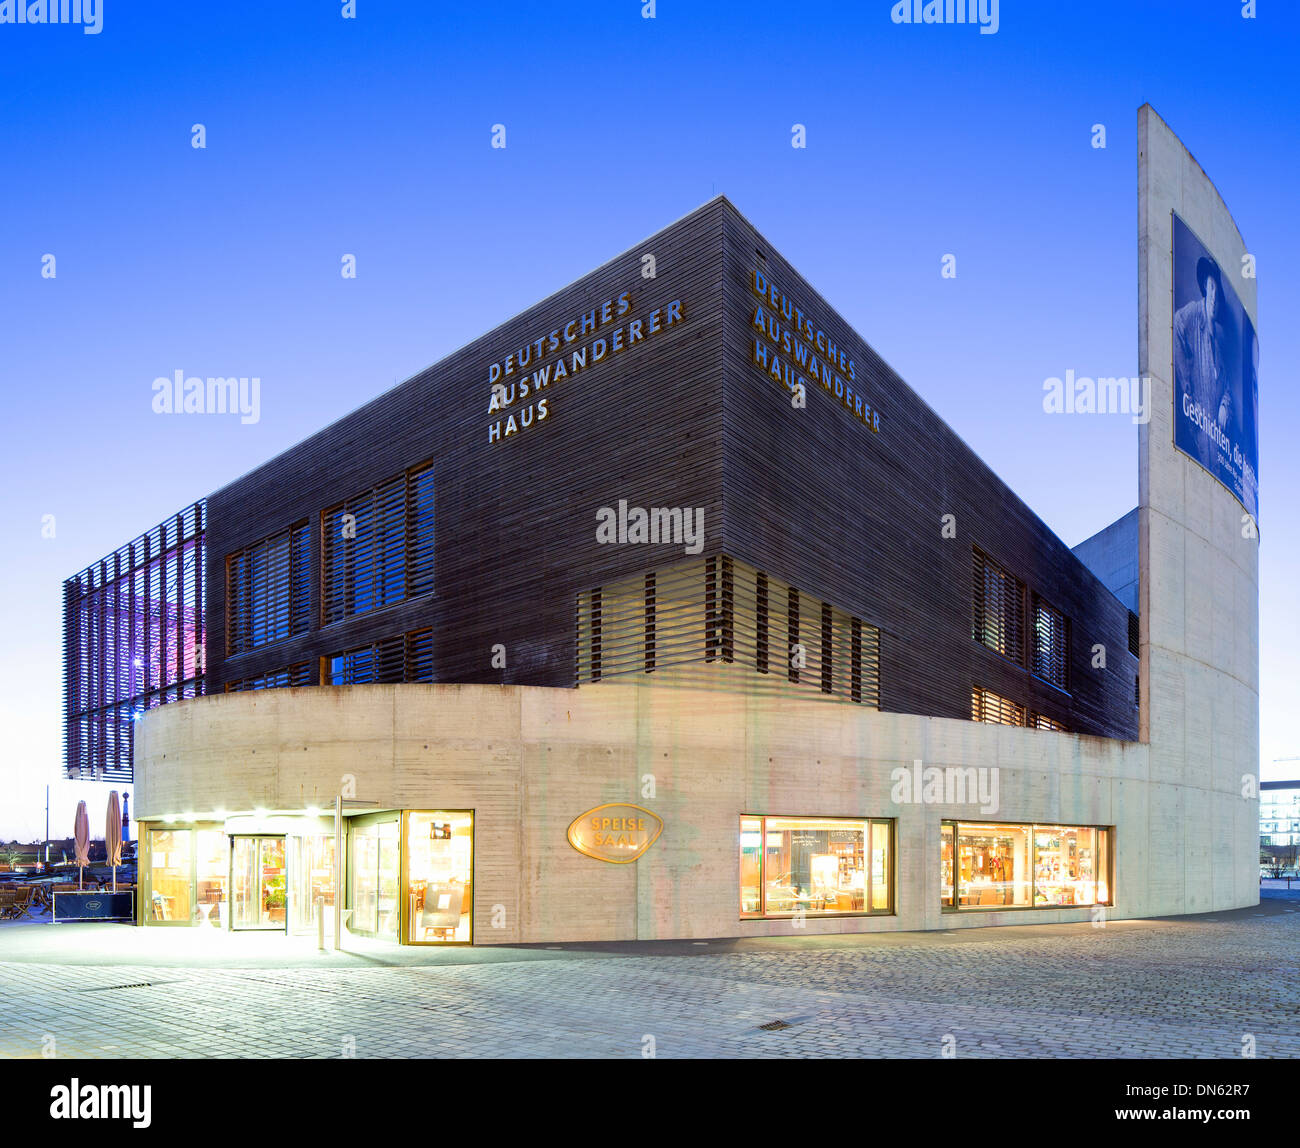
x,y
515,520
855,517
685,419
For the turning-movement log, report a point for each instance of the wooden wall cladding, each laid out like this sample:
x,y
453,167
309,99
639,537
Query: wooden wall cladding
x,y
515,520
684,419
817,498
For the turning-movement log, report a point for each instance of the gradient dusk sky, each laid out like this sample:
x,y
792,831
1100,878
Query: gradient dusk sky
x,y
371,136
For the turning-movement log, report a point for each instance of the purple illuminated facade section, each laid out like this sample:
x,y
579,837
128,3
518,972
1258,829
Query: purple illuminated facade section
x,y
133,631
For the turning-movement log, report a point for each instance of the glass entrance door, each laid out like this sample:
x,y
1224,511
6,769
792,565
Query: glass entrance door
x,y
311,879
258,883
375,857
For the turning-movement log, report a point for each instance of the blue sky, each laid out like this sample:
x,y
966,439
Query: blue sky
x,y
371,136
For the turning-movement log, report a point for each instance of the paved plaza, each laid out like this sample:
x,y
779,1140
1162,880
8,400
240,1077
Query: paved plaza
x,y
1176,987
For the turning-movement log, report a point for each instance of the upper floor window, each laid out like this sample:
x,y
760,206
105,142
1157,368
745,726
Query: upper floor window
x,y
986,706
1051,645
404,658
377,548
268,590
999,609
299,674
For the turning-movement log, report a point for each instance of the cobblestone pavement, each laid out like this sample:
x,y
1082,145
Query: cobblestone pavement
x,y
1181,987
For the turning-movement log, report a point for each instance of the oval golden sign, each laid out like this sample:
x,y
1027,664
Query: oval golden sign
x,y
615,833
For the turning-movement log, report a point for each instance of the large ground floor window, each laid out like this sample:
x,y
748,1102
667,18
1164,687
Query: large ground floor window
x,y
815,866
183,876
409,875
988,865
438,863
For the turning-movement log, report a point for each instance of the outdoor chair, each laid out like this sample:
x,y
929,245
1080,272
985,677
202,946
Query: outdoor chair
x,y
19,902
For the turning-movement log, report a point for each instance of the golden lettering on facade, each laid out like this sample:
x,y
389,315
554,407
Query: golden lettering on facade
x,y
615,833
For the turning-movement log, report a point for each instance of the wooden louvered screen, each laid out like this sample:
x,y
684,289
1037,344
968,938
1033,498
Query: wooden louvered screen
x,y
1134,635
1051,645
404,658
298,674
795,650
986,706
377,548
704,621
1042,721
619,623
268,590
999,609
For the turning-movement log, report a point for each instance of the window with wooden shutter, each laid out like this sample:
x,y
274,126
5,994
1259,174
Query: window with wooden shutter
x,y
1051,643
378,547
404,658
999,609
268,590
1042,721
986,706
298,674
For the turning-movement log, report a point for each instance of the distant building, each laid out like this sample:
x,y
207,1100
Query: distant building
x,y
1279,813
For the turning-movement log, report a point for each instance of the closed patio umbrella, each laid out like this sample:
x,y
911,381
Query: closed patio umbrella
x,y
81,835
113,834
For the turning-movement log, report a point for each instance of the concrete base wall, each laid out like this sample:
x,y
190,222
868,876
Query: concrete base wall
x,y
529,760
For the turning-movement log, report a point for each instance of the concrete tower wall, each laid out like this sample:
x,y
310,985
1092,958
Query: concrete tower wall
x,y
1199,581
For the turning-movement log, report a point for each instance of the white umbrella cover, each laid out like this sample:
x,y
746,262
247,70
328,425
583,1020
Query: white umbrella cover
x,y
113,834
81,836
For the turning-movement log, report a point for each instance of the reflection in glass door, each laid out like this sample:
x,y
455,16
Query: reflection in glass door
x,y
170,859
311,879
374,859
258,883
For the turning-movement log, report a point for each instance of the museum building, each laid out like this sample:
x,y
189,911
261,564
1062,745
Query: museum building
x,y
667,609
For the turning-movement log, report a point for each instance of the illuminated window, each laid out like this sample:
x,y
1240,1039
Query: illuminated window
x,y
999,609
1042,721
946,884
169,877
815,866
439,877
986,706
996,866
1051,643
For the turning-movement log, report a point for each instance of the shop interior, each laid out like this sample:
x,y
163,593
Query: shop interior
x,y
823,866
1024,866
410,875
